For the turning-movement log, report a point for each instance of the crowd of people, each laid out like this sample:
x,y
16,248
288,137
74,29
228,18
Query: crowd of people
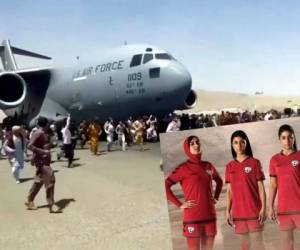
x,y
65,135
16,138
194,121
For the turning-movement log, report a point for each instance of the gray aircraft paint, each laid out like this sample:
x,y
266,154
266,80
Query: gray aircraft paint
x,y
105,87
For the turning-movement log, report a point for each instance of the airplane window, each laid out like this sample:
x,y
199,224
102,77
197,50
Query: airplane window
x,y
136,60
154,72
149,49
147,58
164,56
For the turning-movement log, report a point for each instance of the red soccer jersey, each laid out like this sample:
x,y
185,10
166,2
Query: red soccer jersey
x,y
243,178
287,171
196,182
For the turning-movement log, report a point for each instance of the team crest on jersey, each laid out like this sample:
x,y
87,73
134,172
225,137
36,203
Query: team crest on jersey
x,y
295,163
248,169
209,172
191,229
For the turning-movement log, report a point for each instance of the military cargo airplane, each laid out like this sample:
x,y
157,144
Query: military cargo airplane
x,y
131,80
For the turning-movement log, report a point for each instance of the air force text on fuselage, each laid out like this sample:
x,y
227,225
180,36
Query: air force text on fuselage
x,y
92,70
133,86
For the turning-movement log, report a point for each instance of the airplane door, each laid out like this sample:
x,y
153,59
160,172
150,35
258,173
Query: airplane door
x,y
77,96
106,95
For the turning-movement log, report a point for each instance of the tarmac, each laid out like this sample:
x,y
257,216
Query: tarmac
x,y
112,201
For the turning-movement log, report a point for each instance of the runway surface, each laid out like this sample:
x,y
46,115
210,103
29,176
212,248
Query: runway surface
x,y
112,201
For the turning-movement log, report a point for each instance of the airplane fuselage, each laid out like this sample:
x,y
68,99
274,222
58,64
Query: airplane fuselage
x,y
111,88
131,80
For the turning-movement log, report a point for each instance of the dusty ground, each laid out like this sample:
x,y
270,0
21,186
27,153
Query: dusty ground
x,y
111,201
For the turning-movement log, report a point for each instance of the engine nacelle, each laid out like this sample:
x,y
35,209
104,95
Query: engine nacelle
x,y
191,100
13,90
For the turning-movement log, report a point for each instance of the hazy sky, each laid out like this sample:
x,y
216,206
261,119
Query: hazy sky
x,y
241,46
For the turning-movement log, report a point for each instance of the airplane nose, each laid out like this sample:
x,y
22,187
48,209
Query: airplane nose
x,y
180,81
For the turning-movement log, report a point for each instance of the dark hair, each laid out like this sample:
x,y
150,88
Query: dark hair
x,y
42,121
190,138
288,128
242,134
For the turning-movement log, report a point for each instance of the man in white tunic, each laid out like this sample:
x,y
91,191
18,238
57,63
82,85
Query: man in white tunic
x,y
120,131
14,146
110,132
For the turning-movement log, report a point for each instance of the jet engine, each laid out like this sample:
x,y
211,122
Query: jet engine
x,y
12,90
191,100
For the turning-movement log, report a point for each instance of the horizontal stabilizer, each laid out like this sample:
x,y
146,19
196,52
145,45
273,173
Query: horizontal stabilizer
x,y
23,52
7,55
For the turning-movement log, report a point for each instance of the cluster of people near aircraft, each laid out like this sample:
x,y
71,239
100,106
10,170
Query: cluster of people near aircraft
x,y
246,208
16,139
67,136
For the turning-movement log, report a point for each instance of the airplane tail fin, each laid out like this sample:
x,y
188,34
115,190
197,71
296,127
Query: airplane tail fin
x,y
7,55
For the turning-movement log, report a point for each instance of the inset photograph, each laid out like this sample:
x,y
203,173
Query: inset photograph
x,y
234,187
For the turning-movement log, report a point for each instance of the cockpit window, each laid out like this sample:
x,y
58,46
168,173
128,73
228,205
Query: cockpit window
x,y
136,60
147,58
164,56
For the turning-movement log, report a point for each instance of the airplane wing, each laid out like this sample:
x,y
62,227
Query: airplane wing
x,y
33,71
36,102
20,85
7,55
24,90
38,80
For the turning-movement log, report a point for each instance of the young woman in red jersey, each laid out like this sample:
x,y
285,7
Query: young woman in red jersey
x,y
246,197
285,178
195,177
